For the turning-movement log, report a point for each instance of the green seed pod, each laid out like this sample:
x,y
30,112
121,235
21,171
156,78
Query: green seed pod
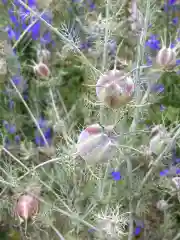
x,y
166,58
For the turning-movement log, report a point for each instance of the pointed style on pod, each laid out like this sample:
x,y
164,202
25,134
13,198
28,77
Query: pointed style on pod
x,y
97,144
43,56
114,89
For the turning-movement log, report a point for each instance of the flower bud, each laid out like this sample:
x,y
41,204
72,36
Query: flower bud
x,y
114,89
27,206
41,70
166,58
97,144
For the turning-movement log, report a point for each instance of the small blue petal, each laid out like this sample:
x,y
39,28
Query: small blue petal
x,y
137,230
17,139
11,104
164,172
116,175
175,20
178,62
162,108
12,129
158,88
178,171
153,42
177,160
171,2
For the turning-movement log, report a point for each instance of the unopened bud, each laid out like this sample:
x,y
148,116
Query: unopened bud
x,y
166,58
42,70
114,89
97,144
27,206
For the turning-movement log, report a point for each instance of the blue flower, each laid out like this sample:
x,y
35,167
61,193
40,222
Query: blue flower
x,y
11,104
162,108
17,139
148,60
178,62
153,42
23,19
171,2
175,20
173,170
158,88
116,175
164,172
11,128
137,230
47,131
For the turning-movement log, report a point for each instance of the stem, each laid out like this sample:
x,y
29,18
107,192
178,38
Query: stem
x,y
131,228
30,113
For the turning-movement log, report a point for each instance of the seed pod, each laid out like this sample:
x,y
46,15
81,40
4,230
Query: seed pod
x,y
27,206
97,144
41,70
114,89
162,205
3,69
166,58
159,139
176,182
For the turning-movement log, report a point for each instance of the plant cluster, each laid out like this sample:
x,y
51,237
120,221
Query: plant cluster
x,y
89,119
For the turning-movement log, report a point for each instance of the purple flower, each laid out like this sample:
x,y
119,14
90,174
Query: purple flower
x,y
11,104
158,88
171,2
116,175
17,139
23,19
11,128
175,20
148,61
164,172
47,131
153,42
112,46
137,230
4,1
178,62
162,108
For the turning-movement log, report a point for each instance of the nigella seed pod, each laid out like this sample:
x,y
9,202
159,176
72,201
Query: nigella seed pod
x,y
159,139
115,89
27,206
162,205
166,58
3,69
41,70
97,144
